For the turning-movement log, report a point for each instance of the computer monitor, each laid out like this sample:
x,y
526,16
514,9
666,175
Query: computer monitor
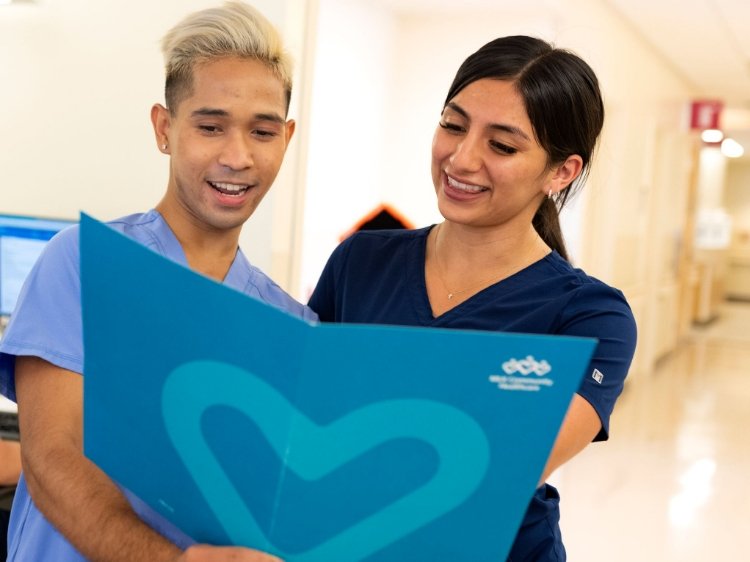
x,y
22,239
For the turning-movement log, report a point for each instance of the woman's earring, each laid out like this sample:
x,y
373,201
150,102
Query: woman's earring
x,y
549,193
164,146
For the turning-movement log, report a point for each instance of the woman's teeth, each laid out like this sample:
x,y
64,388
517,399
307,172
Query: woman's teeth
x,y
465,186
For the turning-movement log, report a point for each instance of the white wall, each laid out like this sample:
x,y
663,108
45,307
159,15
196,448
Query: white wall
x,y
737,196
78,80
712,178
349,127
737,201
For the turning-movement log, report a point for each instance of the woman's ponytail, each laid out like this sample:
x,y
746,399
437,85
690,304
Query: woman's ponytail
x,y
547,224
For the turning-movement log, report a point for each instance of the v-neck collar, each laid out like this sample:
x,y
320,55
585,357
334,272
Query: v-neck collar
x,y
170,246
417,281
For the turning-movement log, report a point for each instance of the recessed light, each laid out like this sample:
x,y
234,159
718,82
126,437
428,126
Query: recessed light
x,y
712,135
731,148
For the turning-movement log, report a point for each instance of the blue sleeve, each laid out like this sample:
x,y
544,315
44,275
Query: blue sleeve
x,y
602,312
46,322
269,292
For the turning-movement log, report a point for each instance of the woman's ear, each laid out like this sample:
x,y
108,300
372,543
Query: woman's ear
x,y
564,174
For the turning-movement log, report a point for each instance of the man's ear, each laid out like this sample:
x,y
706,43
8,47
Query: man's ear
x,y
564,174
290,127
160,119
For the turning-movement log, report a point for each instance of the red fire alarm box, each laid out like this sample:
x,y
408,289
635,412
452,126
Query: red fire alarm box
x,y
705,114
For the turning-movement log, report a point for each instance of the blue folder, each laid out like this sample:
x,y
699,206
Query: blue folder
x,y
244,425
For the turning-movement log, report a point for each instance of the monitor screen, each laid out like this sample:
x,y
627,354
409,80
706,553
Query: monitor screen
x,y
22,239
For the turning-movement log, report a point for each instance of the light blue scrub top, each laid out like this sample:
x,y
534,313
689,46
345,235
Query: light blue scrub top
x,y
47,323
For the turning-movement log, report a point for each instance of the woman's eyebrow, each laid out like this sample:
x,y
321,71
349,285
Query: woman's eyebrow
x,y
512,129
457,108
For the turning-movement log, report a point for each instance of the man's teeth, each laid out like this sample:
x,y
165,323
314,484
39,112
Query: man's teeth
x,y
229,188
464,186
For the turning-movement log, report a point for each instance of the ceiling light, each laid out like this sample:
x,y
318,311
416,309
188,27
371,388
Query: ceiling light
x,y
712,135
731,148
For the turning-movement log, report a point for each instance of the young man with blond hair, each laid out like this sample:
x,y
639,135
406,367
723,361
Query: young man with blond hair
x,y
225,129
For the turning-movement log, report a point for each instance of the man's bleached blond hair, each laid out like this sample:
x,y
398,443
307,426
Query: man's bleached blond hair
x,y
232,30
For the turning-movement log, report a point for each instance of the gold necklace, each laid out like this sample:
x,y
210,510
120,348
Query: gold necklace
x,y
439,271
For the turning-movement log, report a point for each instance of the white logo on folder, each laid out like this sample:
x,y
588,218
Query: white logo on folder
x,y
527,366
524,368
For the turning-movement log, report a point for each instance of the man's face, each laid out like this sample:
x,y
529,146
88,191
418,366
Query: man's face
x,y
226,141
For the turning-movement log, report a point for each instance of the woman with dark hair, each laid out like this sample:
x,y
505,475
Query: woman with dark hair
x,y
515,138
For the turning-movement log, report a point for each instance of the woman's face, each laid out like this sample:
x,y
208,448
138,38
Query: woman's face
x,y
487,166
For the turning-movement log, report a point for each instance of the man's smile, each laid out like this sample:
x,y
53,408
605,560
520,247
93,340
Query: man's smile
x,y
225,188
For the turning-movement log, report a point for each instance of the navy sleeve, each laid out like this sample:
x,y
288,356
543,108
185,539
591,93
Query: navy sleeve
x,y
602,312
324,298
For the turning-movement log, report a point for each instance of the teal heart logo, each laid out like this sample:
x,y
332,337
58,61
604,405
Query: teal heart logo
x,y
312,451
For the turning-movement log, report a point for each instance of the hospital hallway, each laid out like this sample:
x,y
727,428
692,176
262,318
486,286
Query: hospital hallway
x,y
671,483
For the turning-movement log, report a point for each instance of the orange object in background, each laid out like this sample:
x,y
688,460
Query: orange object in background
x,y
383,217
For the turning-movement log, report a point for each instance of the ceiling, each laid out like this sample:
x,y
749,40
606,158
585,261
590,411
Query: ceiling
x,y
707,42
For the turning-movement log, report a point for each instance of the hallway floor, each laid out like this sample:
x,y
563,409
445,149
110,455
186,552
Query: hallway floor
x,y
671,484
